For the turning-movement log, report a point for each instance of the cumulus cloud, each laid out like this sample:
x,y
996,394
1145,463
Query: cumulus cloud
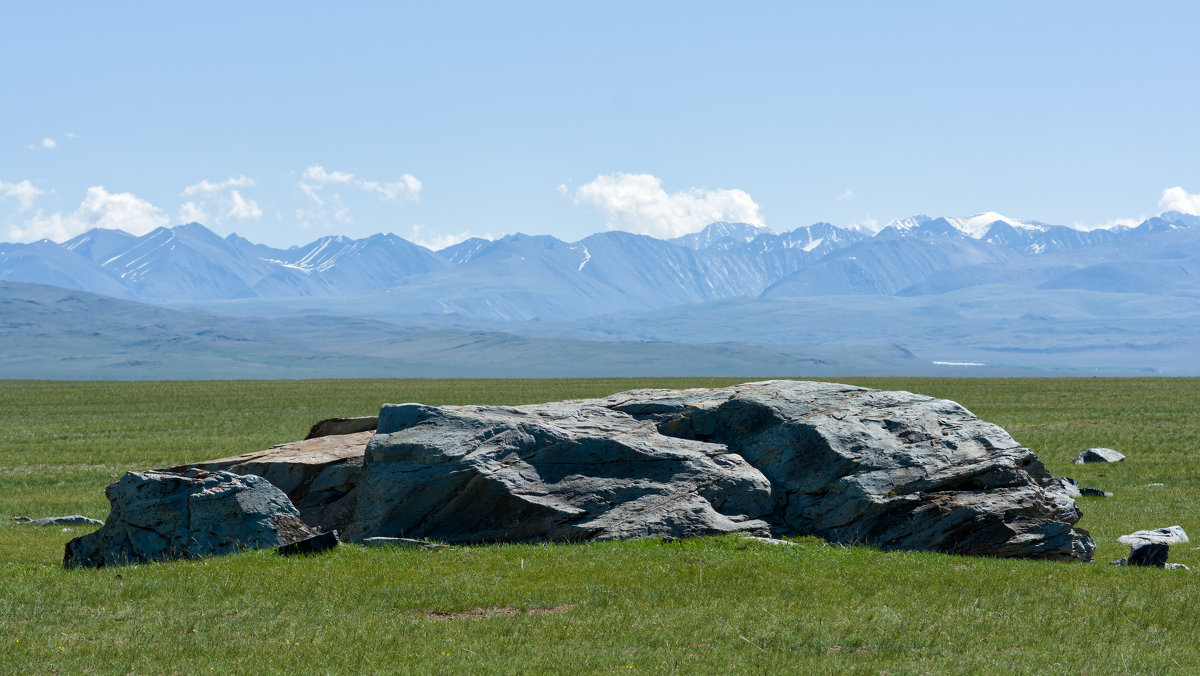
x,y
316,178
100,209
1178,199
48,143
241,207
221,197
24,193
848,195
408,186
204,186
439,241
638,203
191,212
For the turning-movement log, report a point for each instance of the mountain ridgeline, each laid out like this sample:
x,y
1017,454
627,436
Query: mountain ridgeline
x,y
522,277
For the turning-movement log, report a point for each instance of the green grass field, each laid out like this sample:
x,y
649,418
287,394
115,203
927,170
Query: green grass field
x,y
709,605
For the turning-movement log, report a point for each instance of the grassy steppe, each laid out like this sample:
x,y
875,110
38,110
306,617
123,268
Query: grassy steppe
x,y
706,605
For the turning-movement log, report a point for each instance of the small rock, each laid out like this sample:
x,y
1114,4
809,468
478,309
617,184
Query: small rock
x,y
1149,554
1098,455
340,426
73,520
1119,562
772,541
1176,566
1094,493
1168,536
403,542
21,519
1069,485
1155,486
312,545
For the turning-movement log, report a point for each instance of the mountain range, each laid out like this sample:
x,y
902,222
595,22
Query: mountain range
x,y
987,289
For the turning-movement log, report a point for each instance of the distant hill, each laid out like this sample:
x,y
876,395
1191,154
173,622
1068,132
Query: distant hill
x,y
921,296
53,333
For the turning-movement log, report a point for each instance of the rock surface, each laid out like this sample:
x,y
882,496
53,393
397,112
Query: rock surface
x,y
313,545
1098,455
161,515
318,474
72,520
336,426
1070,486
1149,554
1168,536
852,465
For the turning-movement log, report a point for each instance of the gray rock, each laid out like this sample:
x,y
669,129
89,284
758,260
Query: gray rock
x,y
161,515
403,542
1098,455
1169,536
313,545
1094,493
318,474
73,520
1176,566
891,469
1069,485
1149,554
340,426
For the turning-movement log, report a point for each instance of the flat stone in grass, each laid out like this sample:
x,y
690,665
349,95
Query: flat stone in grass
x,y
73,520
1098,455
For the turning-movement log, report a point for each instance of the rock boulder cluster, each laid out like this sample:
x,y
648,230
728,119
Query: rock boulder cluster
x,y
894,470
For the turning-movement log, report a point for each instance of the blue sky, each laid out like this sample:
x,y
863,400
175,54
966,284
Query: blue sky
x,y
287,121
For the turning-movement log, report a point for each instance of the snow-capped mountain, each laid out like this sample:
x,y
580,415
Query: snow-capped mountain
x,y
541,277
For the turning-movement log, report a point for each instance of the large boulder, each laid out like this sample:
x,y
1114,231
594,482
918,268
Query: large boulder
x,y
891,469
157,516
563,472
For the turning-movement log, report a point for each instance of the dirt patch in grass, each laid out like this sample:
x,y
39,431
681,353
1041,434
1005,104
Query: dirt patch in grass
x,y
495,611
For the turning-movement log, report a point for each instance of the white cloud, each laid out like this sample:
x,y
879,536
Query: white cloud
x,y
71,134
1109,225
24,192
638,203
439,241
849,194
868,225
205,187
317,174
221,197
191,212
1178,199
100,209
241,207
48,143
408,186
316,177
